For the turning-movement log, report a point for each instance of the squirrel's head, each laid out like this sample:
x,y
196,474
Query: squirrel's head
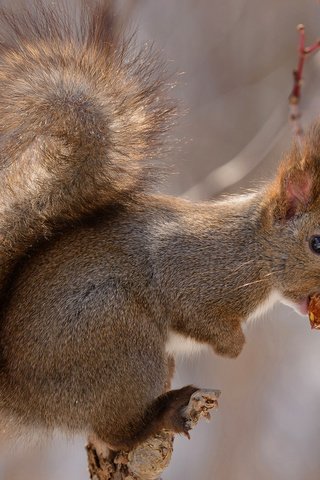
x,y
292,220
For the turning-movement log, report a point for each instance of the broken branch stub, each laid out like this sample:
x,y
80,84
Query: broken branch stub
x,y
148,460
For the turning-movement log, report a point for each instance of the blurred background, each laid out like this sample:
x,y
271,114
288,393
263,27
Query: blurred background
x,y
234,60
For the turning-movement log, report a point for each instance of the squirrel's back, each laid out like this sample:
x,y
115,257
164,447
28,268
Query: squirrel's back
x,y
80,114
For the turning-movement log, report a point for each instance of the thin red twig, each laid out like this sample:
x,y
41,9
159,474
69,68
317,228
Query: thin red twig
x,y
295,95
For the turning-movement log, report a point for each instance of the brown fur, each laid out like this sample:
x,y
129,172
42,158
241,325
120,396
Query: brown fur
x,y
99,271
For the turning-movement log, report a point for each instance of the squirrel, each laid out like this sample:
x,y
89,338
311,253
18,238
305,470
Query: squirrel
x,y
102,280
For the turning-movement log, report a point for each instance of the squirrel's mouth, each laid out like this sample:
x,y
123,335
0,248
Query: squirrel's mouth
x,y
299,304
302,306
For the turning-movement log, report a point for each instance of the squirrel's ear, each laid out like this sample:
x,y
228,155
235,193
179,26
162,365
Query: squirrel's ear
x,y
296,188
292,191
297,191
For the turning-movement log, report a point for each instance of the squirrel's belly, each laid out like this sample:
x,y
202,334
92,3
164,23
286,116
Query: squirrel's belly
x,y
181,345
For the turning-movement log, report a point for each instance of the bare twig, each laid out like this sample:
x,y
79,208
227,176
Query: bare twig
x,y
148,460
295,95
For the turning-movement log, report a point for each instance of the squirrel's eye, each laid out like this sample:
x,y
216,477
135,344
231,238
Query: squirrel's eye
x,y
315,244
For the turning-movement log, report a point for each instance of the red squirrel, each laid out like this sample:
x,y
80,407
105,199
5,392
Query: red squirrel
x,y
102,281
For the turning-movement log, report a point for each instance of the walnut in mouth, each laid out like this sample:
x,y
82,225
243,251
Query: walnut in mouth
x,y
314,311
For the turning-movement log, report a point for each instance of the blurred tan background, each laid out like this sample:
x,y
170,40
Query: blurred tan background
x,y
237,57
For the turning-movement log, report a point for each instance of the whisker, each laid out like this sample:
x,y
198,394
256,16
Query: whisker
x,y
239,267
260,280
251,283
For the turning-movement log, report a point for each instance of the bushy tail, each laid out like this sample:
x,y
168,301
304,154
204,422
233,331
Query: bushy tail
x,y
79,116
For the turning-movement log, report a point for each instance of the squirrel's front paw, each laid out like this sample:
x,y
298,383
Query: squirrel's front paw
x,y
230,344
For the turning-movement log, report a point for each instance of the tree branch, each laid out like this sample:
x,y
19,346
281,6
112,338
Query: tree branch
x,y
148,460
295,95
